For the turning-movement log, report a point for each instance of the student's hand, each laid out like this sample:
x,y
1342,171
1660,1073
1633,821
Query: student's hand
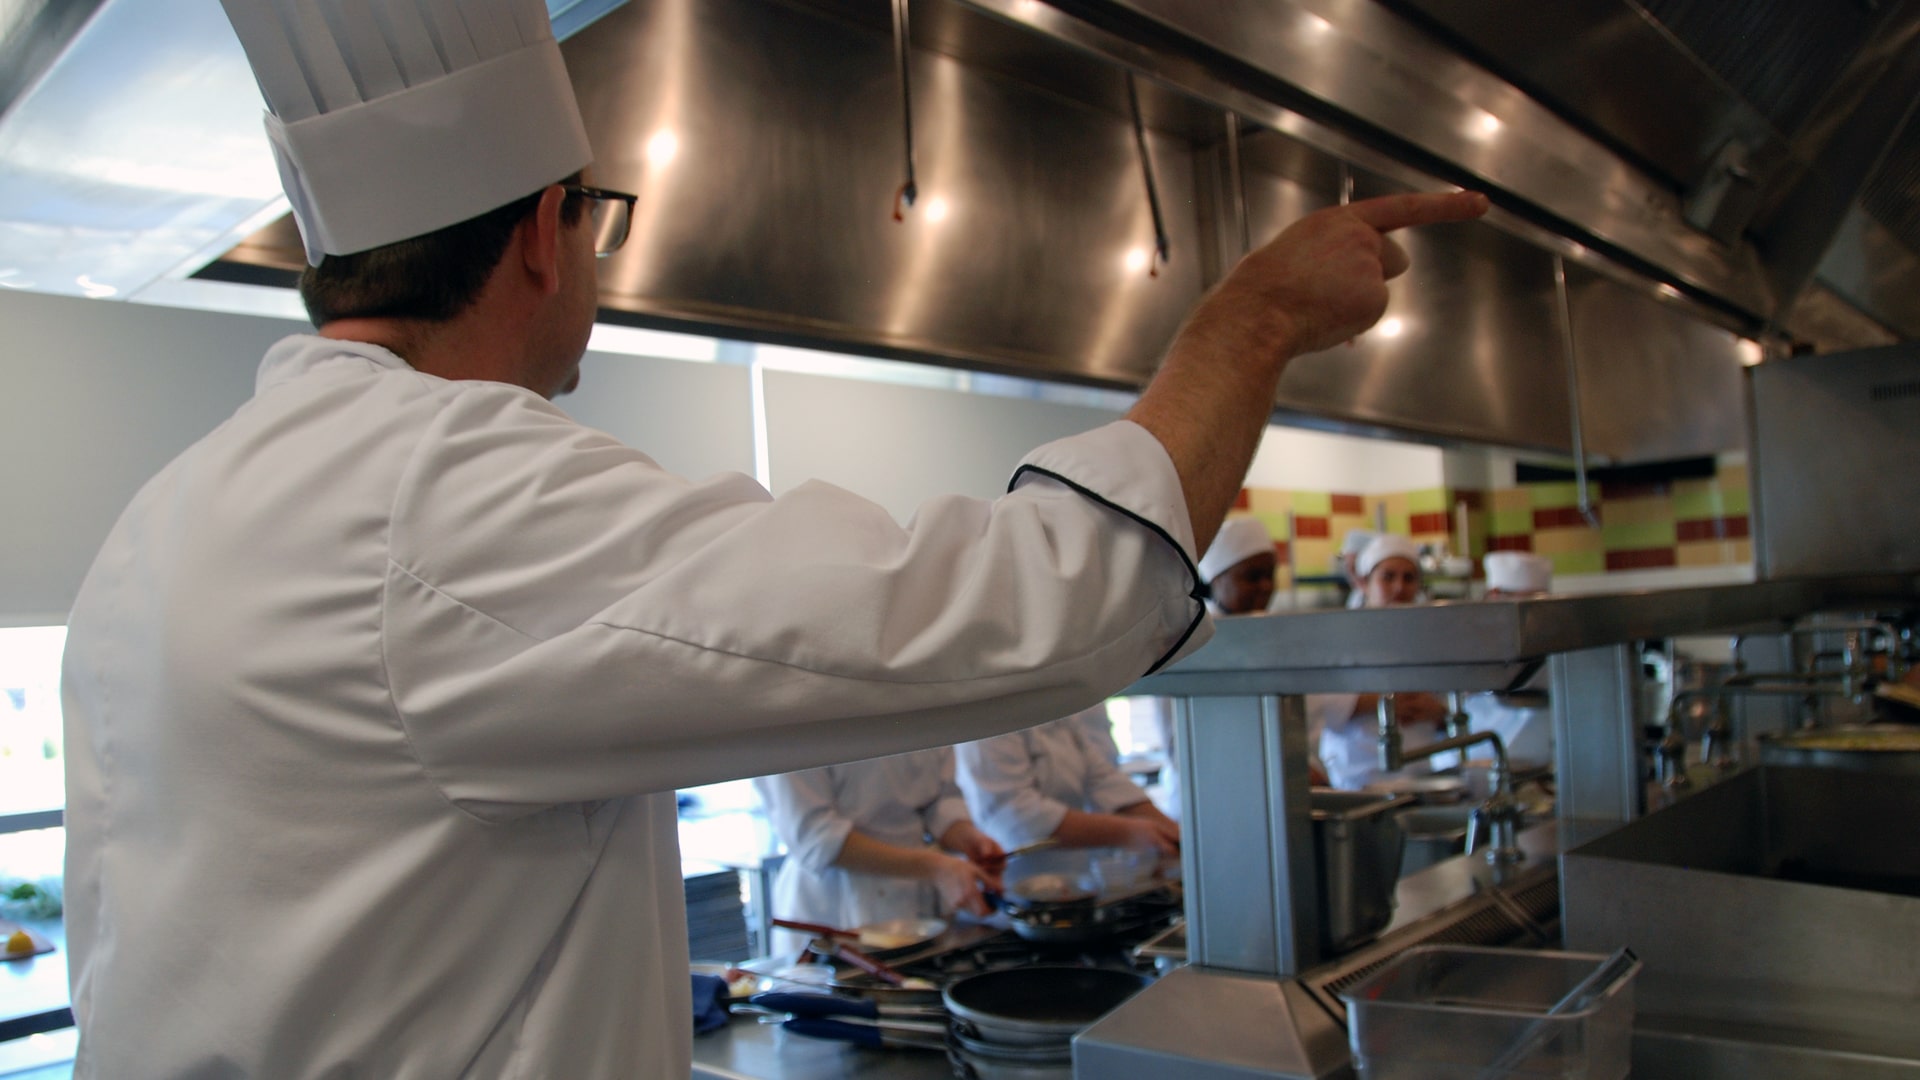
x,y
965,839
959,883
1147,827
1420,709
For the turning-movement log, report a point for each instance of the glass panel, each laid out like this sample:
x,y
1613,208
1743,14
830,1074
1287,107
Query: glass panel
x,y
32,766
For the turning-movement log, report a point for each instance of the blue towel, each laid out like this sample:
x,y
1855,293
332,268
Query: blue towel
x,y
709,1003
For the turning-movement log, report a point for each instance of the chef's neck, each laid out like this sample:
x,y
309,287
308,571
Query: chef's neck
x,y
455,349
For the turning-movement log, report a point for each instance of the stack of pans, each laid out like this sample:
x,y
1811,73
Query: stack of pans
x,y
1019,1024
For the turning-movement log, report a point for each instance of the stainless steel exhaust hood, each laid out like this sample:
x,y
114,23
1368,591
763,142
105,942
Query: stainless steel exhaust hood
x,y
765,139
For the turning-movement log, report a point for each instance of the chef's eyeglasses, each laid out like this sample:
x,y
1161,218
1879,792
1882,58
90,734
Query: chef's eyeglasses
x,y
610,213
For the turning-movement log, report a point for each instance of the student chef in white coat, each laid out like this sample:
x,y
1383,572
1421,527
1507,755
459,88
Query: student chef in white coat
x,y
1052,783
1523,722
377,696
1388,569
870,841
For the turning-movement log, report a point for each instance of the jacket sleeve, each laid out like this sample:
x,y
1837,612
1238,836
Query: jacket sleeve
x,y
997,776
1108,789
949,807
802,810
564,621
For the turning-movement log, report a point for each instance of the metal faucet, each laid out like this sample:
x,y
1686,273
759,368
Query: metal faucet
x,y
1500,815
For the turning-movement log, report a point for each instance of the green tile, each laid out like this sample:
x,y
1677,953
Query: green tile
x,y
1735,500
1313,503
1400,523
1644,534
1552,496
1579,562
1512,522
1428,501
1692,505
1274,520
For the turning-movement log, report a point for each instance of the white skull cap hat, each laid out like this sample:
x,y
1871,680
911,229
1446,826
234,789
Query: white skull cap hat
x,y
1239,539
390,119
1380,549
1518,572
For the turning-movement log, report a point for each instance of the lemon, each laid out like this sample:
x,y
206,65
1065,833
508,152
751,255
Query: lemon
x,y
19,942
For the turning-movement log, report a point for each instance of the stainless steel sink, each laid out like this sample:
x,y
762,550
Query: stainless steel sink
x,y
1777,914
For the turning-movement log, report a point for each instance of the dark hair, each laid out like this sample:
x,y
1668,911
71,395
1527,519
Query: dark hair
x,y
433,277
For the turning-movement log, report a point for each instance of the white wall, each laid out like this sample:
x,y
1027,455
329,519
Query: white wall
x,y
695,419
1296,460
899,445
99,395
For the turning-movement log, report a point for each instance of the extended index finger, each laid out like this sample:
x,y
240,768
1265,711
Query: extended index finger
x,y
1390,212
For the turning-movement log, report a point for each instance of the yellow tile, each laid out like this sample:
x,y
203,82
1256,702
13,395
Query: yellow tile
x,y
1272,500
1396,504
1704,553
1340,525
1743,551
1313,556
1513,498
1557,541
1731,476
1658,508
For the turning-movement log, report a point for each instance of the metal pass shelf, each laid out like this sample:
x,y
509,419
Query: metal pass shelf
x,y
1488,645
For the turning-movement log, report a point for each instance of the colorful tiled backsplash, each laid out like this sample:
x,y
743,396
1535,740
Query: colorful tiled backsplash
x,y
1680,523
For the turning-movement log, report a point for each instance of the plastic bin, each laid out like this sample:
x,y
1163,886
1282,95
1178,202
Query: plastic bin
x,y
1457,1012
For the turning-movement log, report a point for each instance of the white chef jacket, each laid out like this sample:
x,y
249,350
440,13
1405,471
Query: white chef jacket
x,y
1350,745
1525,730
376,698
907,800
1020,786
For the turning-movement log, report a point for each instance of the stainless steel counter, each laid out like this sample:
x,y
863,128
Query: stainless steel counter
x,y
748,1050
1489,645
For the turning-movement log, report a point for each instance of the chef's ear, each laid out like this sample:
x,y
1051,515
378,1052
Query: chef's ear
x,y
538,240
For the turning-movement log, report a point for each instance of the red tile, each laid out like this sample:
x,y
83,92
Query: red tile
x,y
1509,543
1280,551
1428,523
1727,528
1565,517
1642,559
1242,501
1475,500
1349,504
1309,528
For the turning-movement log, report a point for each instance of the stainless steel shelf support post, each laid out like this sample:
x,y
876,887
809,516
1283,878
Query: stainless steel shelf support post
x,y
1596,732
1247,834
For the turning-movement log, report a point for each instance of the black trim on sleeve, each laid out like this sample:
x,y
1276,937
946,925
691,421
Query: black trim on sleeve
x,y
1199,592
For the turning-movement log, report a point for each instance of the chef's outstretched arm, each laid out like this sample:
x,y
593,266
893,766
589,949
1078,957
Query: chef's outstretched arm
x,y
1320,282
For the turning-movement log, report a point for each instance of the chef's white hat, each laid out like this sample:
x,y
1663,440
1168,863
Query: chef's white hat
x,y
1518,572
1353,543
393,118
1239,539
1383,547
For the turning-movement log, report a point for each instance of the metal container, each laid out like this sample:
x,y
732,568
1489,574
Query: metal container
x,y
1358,842
1775,913
1882,748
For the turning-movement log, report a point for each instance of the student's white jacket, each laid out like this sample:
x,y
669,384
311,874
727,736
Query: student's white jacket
x,y
907,800
377,696
1020,786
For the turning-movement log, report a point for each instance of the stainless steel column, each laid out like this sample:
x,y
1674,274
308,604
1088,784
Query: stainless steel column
x,y
1247,834
1596,734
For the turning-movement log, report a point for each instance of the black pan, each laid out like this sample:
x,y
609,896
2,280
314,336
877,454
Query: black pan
x,y
1037,1006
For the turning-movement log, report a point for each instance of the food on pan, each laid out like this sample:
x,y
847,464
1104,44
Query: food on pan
x,y
886,939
